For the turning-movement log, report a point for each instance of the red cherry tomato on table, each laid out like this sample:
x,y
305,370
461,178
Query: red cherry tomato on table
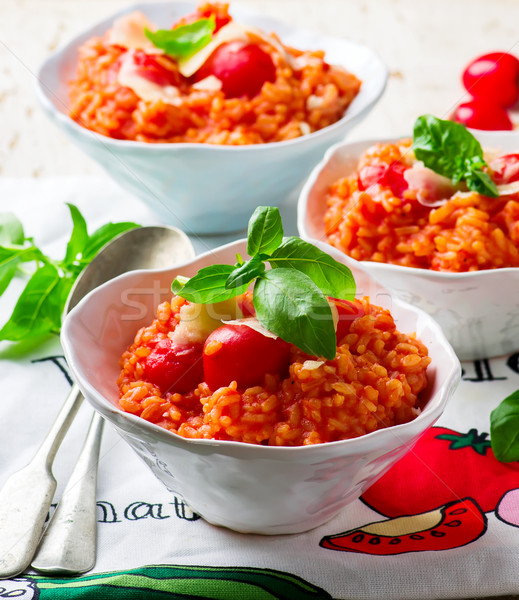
x,y
505,169
480,114
391,176
493,77
242,68
242,354
174,368
150,67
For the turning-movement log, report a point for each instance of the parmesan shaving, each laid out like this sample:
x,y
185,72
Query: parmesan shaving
x,y
147,90
508,189
128,32
253,323
210,84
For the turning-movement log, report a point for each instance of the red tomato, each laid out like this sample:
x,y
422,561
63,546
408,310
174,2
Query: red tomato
x,y
442,467
348,312
505,169
174,368
241,67
493,77
150,67
482,114
219,12
239,353
391,176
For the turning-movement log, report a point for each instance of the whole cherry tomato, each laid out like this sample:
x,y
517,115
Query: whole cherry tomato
x,y
481,114
391,176
493,77
151,68
174,368
242,68
242,354
505,169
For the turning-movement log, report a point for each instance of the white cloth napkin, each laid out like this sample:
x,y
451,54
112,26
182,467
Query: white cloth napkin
x,y
142,525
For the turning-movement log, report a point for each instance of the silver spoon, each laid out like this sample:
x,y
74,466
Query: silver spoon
x,y
26,496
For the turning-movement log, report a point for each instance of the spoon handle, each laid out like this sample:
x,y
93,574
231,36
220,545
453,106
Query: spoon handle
x,y
68,545
26,496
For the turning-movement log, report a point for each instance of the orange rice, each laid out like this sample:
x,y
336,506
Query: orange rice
x,y
469,232
373,382
297,102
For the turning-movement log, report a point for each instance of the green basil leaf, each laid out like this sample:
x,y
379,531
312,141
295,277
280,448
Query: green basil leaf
x,y
208,285
481,182
265,232
185,40
245,273
102,236
449,149
330,276
11,258
78,237
290,305
504,429
39,307
11,230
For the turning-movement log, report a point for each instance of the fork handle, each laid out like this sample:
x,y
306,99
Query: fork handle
x,y
26,496
68,545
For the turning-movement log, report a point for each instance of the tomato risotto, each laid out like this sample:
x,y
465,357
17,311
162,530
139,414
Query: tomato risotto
x,y
394,210
373,382
227,84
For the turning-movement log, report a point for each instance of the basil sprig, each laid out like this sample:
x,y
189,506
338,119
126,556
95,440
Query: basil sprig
x,y
185,40
39,307
449,149
290,297
504,429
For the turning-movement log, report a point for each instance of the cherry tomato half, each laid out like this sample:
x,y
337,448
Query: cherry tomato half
x,y
493,77
391,176
205,11
242,68
480,114
151,68
505,169
174,368
242,354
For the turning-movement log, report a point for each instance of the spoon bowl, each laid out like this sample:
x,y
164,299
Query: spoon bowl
x,y
69,542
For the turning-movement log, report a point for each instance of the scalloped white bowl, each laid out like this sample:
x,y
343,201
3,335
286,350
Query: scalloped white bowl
x,y
248,488
478,310
206,188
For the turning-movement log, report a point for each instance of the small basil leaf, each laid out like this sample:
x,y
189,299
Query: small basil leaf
x,y
78,237
102,236
290,305
208,285
265,232
481,182
449,149
504,429
245,273
185,40
11,230
10,258
39,307
332,277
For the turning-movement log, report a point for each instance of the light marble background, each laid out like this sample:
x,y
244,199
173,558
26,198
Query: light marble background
x,y
425,44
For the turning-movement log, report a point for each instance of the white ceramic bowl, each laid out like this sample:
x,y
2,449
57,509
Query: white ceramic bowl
x,y
248,488
478,310
205,188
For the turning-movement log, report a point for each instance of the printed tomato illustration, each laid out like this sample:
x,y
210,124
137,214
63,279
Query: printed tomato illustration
x,y
451,526
442,467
